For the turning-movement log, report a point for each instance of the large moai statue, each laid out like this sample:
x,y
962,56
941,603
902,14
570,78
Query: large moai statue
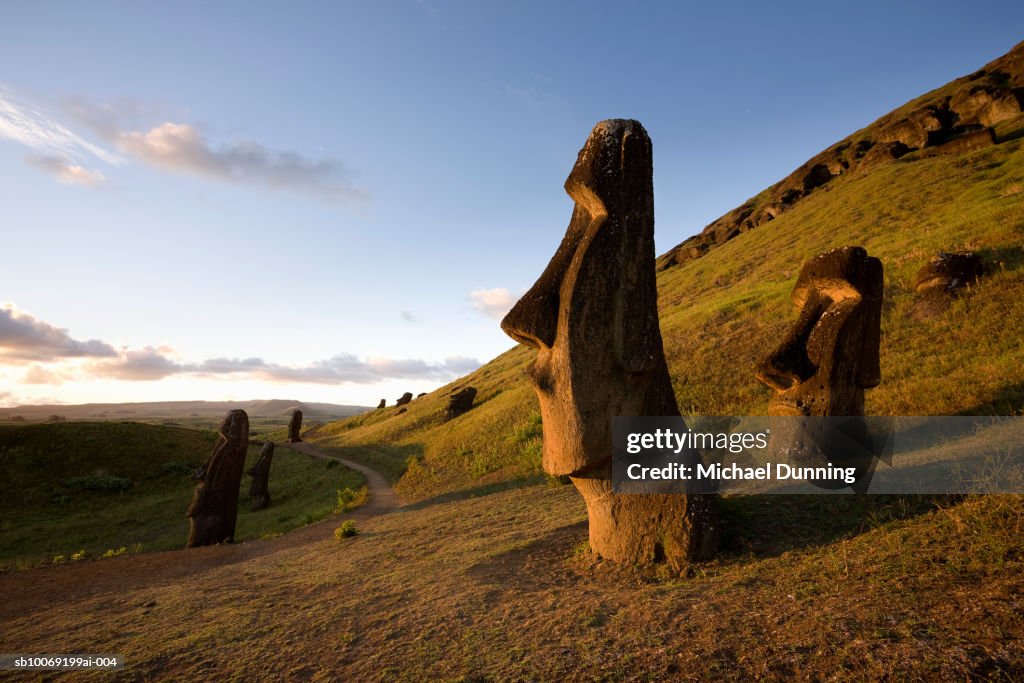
x,y
259,491
826,361
459,402
295,427
593,318
382,403
405,399
214,504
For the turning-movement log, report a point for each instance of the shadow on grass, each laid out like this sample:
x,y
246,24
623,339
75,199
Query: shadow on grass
x,y
478,491
1009,400
766,526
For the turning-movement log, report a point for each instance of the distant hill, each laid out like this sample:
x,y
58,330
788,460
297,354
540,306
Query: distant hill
x,y
180,410
722,311
970,113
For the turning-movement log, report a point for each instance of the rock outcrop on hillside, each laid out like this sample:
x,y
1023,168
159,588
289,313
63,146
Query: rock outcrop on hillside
x,y
956,118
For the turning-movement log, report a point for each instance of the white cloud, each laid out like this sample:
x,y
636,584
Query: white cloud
x,y
22,123
65,171
25,338
494,303
37,374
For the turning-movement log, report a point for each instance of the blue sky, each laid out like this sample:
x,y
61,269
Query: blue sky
x,y
335,201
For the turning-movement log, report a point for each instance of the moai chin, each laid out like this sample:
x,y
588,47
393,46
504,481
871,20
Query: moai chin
x,y
295,427
214,506
593,318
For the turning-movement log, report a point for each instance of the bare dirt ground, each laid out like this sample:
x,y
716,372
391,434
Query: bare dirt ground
x,y
501,587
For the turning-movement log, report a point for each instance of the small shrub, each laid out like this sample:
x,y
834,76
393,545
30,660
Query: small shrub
x,y
100,481
347,529
174,468
331,464
80,555
114,553
59,559
349,499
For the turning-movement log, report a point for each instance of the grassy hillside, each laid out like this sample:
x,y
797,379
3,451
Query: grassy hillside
x,y
101,487
721,312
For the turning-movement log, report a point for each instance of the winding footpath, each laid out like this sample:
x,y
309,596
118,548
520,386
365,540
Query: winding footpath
x,y
52,586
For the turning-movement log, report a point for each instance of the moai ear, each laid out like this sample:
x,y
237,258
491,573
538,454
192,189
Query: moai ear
x,y
637,333
870,373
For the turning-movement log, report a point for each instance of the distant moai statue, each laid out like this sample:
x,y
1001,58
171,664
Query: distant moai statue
x,y
259,492
593,318
459,402
382,403
214,506
825,362
294,427
405,399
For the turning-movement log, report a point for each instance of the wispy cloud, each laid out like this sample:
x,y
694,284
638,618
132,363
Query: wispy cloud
x,y
494,303
183,148
409,317
65,171
23,338
58,150
170,146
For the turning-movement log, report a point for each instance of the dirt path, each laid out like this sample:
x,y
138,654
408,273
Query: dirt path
x,y
47,587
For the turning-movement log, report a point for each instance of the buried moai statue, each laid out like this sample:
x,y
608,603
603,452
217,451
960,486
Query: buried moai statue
x,y
405,399
593,318
259,492
941,280
459,402
295,427
383,402
214,504
830,355
826,361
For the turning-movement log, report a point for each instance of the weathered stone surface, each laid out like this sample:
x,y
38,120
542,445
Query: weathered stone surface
x,y
593,318
382,403
830,355
401,410
969,142
907,131
405,399
295,427
459,402
940,280
259,492
214,506
984,105
421,395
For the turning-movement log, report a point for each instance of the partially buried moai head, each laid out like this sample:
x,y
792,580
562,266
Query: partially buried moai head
x,y
592,315
830,355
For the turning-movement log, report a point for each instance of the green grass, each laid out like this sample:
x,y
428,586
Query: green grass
x,y
720,313
100,487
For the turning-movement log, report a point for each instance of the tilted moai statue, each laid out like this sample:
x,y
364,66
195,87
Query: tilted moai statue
x,y
459,402
828,358
214,504
942,279
294,427
405,399
593,318
259,492
382,403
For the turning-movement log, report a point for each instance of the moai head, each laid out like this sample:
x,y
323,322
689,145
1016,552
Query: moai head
x,y
593,314
830,356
